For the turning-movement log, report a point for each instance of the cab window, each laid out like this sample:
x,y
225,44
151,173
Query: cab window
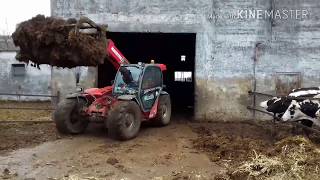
x,y
152,78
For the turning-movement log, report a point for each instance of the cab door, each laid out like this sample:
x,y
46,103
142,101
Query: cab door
x,y
151,87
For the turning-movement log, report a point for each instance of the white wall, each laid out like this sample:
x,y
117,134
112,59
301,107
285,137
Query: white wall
x,y
34,81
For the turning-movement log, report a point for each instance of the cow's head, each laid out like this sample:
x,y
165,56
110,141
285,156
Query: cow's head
x,y
300,111
267,103
276,104
293,112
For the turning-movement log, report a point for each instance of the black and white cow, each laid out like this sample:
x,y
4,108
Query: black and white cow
x,y
305,111
277,105
296,110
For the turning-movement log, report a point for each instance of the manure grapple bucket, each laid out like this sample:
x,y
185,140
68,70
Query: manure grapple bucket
x,y
62,43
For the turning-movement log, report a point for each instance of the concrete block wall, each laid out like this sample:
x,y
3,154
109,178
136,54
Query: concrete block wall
x,y
225,46
293,46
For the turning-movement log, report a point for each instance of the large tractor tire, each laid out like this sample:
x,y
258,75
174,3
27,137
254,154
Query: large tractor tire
x,y
124,120
163,116
68,118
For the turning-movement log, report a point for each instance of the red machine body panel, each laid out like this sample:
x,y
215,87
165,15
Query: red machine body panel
x,y
101,98
114,55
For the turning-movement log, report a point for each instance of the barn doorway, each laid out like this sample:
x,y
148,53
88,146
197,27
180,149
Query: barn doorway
x,y
176,50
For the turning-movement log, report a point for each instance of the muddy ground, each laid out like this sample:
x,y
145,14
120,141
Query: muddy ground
x,y
25,115
236,140
182,150
25,128
157,153
259,150
15,136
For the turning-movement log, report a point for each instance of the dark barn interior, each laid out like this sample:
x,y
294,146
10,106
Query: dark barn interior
x,y
176,50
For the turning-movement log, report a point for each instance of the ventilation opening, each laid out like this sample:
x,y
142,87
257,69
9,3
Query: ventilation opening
x,y
18,69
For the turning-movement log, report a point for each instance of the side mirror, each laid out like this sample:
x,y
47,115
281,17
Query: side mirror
x,y
112,82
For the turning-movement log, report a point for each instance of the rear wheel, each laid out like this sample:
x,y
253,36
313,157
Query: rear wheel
x,y
68,118
124,120
164,111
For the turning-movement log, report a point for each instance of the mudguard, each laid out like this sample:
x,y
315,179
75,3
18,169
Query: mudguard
x,y
75,95
78,96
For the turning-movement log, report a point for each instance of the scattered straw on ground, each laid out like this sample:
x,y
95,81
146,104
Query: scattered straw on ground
x,y
293,158
259,151
25,115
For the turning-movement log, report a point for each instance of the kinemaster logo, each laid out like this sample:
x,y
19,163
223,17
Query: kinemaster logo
x,y
260,14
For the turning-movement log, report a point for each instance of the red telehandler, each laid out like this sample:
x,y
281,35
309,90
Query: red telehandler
x,y
137,95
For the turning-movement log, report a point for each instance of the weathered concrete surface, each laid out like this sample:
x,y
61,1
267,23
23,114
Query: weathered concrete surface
x,y
6,44
34,81
64,80
225,47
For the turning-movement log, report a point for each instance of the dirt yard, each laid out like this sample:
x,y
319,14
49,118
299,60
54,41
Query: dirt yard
x,y
157,153
25,115
182,150
14,136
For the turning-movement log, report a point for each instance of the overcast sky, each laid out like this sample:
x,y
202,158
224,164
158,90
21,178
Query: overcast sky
x,y
15,11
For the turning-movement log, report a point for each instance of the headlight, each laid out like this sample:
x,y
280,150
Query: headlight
x,y
79,89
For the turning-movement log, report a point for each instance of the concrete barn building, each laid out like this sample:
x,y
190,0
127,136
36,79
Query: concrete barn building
x,y
21,78
216,50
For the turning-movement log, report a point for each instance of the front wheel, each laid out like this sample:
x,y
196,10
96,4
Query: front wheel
x,y
163,116
68,118
124,120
